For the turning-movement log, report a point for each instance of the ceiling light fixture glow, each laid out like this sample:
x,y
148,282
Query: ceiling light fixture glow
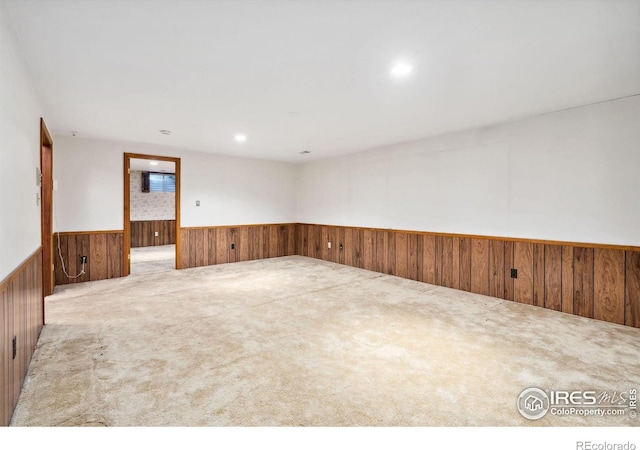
x,y
240,137
153,163
401,69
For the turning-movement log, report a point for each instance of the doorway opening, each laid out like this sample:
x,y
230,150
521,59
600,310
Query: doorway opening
x,y
151,214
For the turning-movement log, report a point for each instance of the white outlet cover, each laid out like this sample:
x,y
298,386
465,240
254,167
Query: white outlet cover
x,y
329,245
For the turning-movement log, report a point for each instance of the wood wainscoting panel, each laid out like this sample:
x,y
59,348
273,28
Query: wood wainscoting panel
x,y
414,248
203,246
592,280
103,250
21,318
523,263
390,252
369,250
553,277
583,282
480,266
446,256
98,246
350,247
608,284
567,279
538,275
429,259
496,269
632,289
465,264
143,233
508,265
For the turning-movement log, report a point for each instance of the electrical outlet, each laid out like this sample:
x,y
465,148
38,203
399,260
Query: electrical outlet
x,y
83,259
341,247
197,202
514,273
329,245
15,347
233,246
155,233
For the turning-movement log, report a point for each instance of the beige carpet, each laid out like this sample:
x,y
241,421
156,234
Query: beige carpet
x,y
158,258
297,341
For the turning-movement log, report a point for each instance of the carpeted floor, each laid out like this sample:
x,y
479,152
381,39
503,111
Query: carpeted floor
x,y
158,258
296,341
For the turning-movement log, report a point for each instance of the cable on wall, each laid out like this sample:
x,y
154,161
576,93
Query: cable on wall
x,y
64,269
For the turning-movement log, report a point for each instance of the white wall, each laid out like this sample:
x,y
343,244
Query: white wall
x,y
20,113
572,175
232,191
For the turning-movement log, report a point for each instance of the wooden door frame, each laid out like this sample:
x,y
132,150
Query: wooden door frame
x,y
126,243
46,211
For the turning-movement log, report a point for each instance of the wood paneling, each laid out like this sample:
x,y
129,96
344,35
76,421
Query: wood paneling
x,y
446,256
508,265
608,285
553,277
212,245
632,289
567,279
496,269
583,282
98,251
143,233
103,251
369,250
429,260
480,266
523,262
413,256
538,275
21,316
46,209
601,281
465,264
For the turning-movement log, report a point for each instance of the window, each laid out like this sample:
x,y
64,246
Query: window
x,y
158,182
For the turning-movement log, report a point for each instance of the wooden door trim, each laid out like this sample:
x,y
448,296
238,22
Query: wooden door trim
x,y
46,210
126,241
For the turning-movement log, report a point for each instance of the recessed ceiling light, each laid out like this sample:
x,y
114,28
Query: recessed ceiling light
x,y
240,137
165,132
153,163
401,69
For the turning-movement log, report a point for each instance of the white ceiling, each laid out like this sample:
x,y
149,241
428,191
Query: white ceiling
x,y
314,75
144,165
